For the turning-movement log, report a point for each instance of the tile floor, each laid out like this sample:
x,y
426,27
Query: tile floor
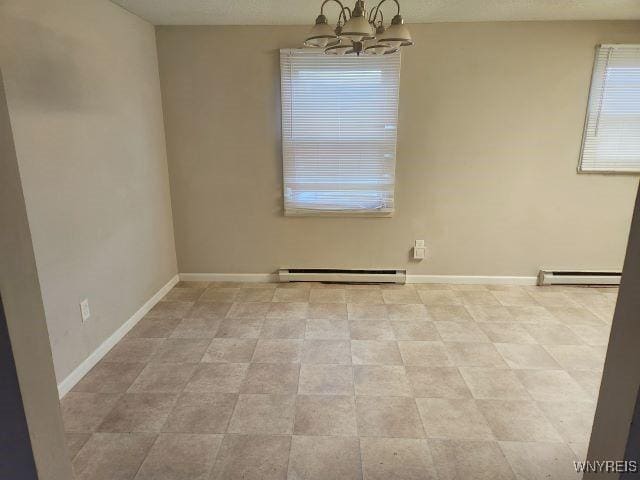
x,y
312,381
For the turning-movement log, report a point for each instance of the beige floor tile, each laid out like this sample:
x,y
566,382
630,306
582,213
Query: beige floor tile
x,y
579,450
324,458
277,351
517,420
364,296
470,287
201,413
396,458
181,350
327,329
439,297
217,378
489,313
240,327
357,311
169,310
194,284
374,352
75,441
540,461
133,350
576,357
154,328
219,294
414,330
515,298
139,412
453,418
467,460
431,354
326,351
277,378
255,295
252,457
332,311
180,456
573,420
196,328
498,383
461,332
400,296
328,295
112,456
83,412
432,286
283,328
472,297
449,313
551,385
162,378
251,310
592,334
474,355
439,382
325,415
548,298
230,350
288,295
506,332
552,334
526,356
531,314
388,417
288,310
589,380
263,414
575,316
109,377
410,311
366,329
326,379
209,310
381,380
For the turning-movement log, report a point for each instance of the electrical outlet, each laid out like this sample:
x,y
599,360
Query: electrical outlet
x,y
419,250
85,310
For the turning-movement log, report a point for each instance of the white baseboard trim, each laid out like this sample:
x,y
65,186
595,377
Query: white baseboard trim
x,y
472,280
81,370
272,277
229,277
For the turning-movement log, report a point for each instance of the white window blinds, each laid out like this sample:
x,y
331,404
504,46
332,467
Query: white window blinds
x,y
339,121
611,141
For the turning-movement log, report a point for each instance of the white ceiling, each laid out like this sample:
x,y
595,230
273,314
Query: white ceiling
x,y
302,12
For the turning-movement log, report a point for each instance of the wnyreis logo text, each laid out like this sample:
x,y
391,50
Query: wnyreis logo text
x,y
607,466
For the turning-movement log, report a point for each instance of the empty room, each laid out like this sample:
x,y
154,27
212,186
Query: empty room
x,y
319,240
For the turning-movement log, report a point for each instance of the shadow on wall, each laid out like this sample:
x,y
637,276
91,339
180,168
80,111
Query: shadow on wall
x,y
47,78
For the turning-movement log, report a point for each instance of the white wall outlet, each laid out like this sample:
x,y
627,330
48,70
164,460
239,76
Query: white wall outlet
x,y
419,250
85,310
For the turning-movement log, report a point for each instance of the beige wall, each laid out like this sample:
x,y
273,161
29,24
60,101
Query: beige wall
x,y
491,118
84,99
22,302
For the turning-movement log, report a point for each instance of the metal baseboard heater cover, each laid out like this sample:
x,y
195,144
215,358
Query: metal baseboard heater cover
x,y
578,277
341,276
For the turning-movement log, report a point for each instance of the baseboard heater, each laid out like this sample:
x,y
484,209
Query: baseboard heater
x,y
576,277
341,276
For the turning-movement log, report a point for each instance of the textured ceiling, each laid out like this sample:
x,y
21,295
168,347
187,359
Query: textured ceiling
x,y
300,12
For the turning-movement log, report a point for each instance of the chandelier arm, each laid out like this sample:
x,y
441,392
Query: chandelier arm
x,y
377,9
342,9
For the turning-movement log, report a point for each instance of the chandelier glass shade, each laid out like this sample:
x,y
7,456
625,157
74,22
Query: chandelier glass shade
x,y
359,31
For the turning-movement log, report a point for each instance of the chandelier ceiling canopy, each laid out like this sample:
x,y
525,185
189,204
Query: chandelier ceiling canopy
x,y
359,31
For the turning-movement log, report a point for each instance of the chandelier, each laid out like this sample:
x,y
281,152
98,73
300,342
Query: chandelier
x,y
359,31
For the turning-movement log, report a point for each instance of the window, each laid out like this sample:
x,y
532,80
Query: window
x,y
339,121
611,141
